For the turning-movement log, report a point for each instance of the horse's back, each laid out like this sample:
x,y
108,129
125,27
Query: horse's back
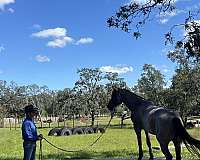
x,y
159,121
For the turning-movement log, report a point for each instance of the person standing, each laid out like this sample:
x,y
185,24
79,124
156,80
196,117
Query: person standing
x,y
29,133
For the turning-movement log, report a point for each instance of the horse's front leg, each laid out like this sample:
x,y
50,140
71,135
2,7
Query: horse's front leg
x,y
138,133
149,145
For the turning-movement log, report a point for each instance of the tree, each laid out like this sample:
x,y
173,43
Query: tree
x,y
185,82
185,85
114,81
88,85
150,84
132,16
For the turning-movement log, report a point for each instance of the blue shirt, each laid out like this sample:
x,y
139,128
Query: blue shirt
x,y
29,131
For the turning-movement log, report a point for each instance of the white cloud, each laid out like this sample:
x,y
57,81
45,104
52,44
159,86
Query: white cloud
x,y
85,40
169,14
163,21
164,51
139,1
163,68
117,69
11,10
61,42
3,3
2,48
164,17
55,33
58,37
37,26
42,59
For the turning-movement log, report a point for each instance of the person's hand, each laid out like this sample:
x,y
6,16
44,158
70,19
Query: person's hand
x,y
40,137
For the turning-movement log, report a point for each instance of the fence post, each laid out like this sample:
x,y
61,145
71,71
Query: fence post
x,y
73,120
58,123
10,123
16,121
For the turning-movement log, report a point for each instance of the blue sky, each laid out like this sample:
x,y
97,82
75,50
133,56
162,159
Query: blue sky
x,y
46,41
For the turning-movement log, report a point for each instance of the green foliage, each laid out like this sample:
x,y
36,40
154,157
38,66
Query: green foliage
x,y
150,84
186,80
132,16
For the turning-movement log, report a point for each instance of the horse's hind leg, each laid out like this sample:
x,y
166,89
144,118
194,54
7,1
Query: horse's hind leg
x,y
165,150
149,145
177,145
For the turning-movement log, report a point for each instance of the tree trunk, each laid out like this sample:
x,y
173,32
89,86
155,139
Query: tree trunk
x,y
93,118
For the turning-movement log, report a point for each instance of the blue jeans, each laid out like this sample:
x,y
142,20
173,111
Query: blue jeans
x,y
29,150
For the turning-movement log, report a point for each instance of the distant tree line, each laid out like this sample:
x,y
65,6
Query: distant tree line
x,y
88,97
91,92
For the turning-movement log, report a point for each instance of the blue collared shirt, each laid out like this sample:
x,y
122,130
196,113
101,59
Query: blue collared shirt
x,y
29,131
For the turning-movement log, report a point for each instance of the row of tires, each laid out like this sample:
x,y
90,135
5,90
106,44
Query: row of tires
x,y
74,131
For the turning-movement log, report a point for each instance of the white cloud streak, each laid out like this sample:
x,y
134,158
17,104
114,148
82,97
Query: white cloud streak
x,y
3,3
2,48
11,10
163,21
61,42
59,38
55,33
116,69
42,59
162,68
36,26
85,41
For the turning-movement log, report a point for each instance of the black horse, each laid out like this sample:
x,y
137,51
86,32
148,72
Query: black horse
x,y
165,124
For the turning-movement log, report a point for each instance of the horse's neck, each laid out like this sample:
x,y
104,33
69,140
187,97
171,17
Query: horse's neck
x,y
132,101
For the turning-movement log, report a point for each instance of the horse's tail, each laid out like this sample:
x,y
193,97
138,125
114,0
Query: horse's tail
x,y
192,144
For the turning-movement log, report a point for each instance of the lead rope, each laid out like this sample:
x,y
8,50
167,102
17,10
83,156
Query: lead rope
x,y
64,150
40,152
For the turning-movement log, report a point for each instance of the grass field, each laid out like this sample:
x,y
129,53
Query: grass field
x,y
115,143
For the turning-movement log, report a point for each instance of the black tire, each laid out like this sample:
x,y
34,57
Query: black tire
x,y
96,129
65,131
54,132
88,130
102,130
190,125
99,130
78,131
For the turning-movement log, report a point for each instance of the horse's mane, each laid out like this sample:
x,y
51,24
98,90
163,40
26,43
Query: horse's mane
x,y
137,96
131,92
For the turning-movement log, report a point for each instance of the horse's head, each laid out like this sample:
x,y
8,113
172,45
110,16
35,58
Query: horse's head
x,y
115,100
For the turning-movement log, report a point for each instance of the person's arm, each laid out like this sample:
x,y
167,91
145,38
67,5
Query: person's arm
x,y
28,135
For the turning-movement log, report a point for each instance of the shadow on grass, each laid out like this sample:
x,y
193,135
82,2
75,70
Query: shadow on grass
x,y
118,154
109,155
10,158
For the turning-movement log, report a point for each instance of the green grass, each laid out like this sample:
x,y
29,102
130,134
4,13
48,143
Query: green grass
x,y
115,143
